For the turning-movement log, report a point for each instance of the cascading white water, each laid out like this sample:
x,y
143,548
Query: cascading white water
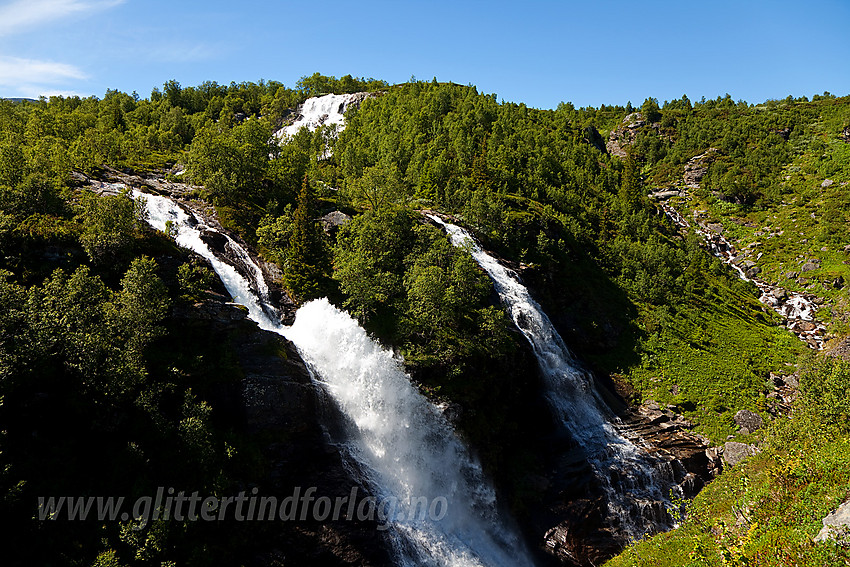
x,y
406,443
166,215
400,441
320,111
795,307
626,472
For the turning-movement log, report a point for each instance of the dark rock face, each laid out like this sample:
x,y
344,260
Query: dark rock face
x,y
574,523
594,138
277,405
784,133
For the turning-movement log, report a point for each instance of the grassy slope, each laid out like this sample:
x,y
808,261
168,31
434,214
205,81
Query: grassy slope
x,y
766,510
712,361
763,512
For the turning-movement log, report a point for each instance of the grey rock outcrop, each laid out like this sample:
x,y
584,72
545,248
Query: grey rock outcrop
x,y
734,452
836,526
749,420
332,221
624,135
697,167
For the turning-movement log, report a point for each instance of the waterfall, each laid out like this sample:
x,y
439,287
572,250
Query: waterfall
x,y
406,449
321,111
636,484
406,443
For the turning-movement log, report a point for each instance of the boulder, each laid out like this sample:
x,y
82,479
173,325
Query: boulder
x,y
780,294
810,266
752,272
826,183
333,220
734,452
749,420
804,326
836,526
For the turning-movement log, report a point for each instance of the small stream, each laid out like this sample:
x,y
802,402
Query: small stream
x,y
798,309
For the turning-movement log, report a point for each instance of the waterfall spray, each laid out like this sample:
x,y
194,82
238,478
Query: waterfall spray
x,y
403,445
636,484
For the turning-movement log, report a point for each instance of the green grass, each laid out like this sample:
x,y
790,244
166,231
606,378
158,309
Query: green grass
x,y
711,360
798,221
762,512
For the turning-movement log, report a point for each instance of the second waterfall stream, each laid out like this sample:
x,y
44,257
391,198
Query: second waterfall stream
x,y
636,485
400,442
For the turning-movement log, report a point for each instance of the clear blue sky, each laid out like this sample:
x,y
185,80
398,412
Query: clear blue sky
x,y
537,52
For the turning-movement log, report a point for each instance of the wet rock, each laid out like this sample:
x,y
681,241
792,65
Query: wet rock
x,y
275,404
780,294
748,420
838,282
734,452
836,526
753,272
804,326
715,459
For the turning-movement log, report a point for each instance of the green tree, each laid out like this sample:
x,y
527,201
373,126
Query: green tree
x,y
379,187
630,193
138,309
111,224
306,269
649,109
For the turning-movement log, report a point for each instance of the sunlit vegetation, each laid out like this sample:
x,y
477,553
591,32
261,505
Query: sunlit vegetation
x,y
90,384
